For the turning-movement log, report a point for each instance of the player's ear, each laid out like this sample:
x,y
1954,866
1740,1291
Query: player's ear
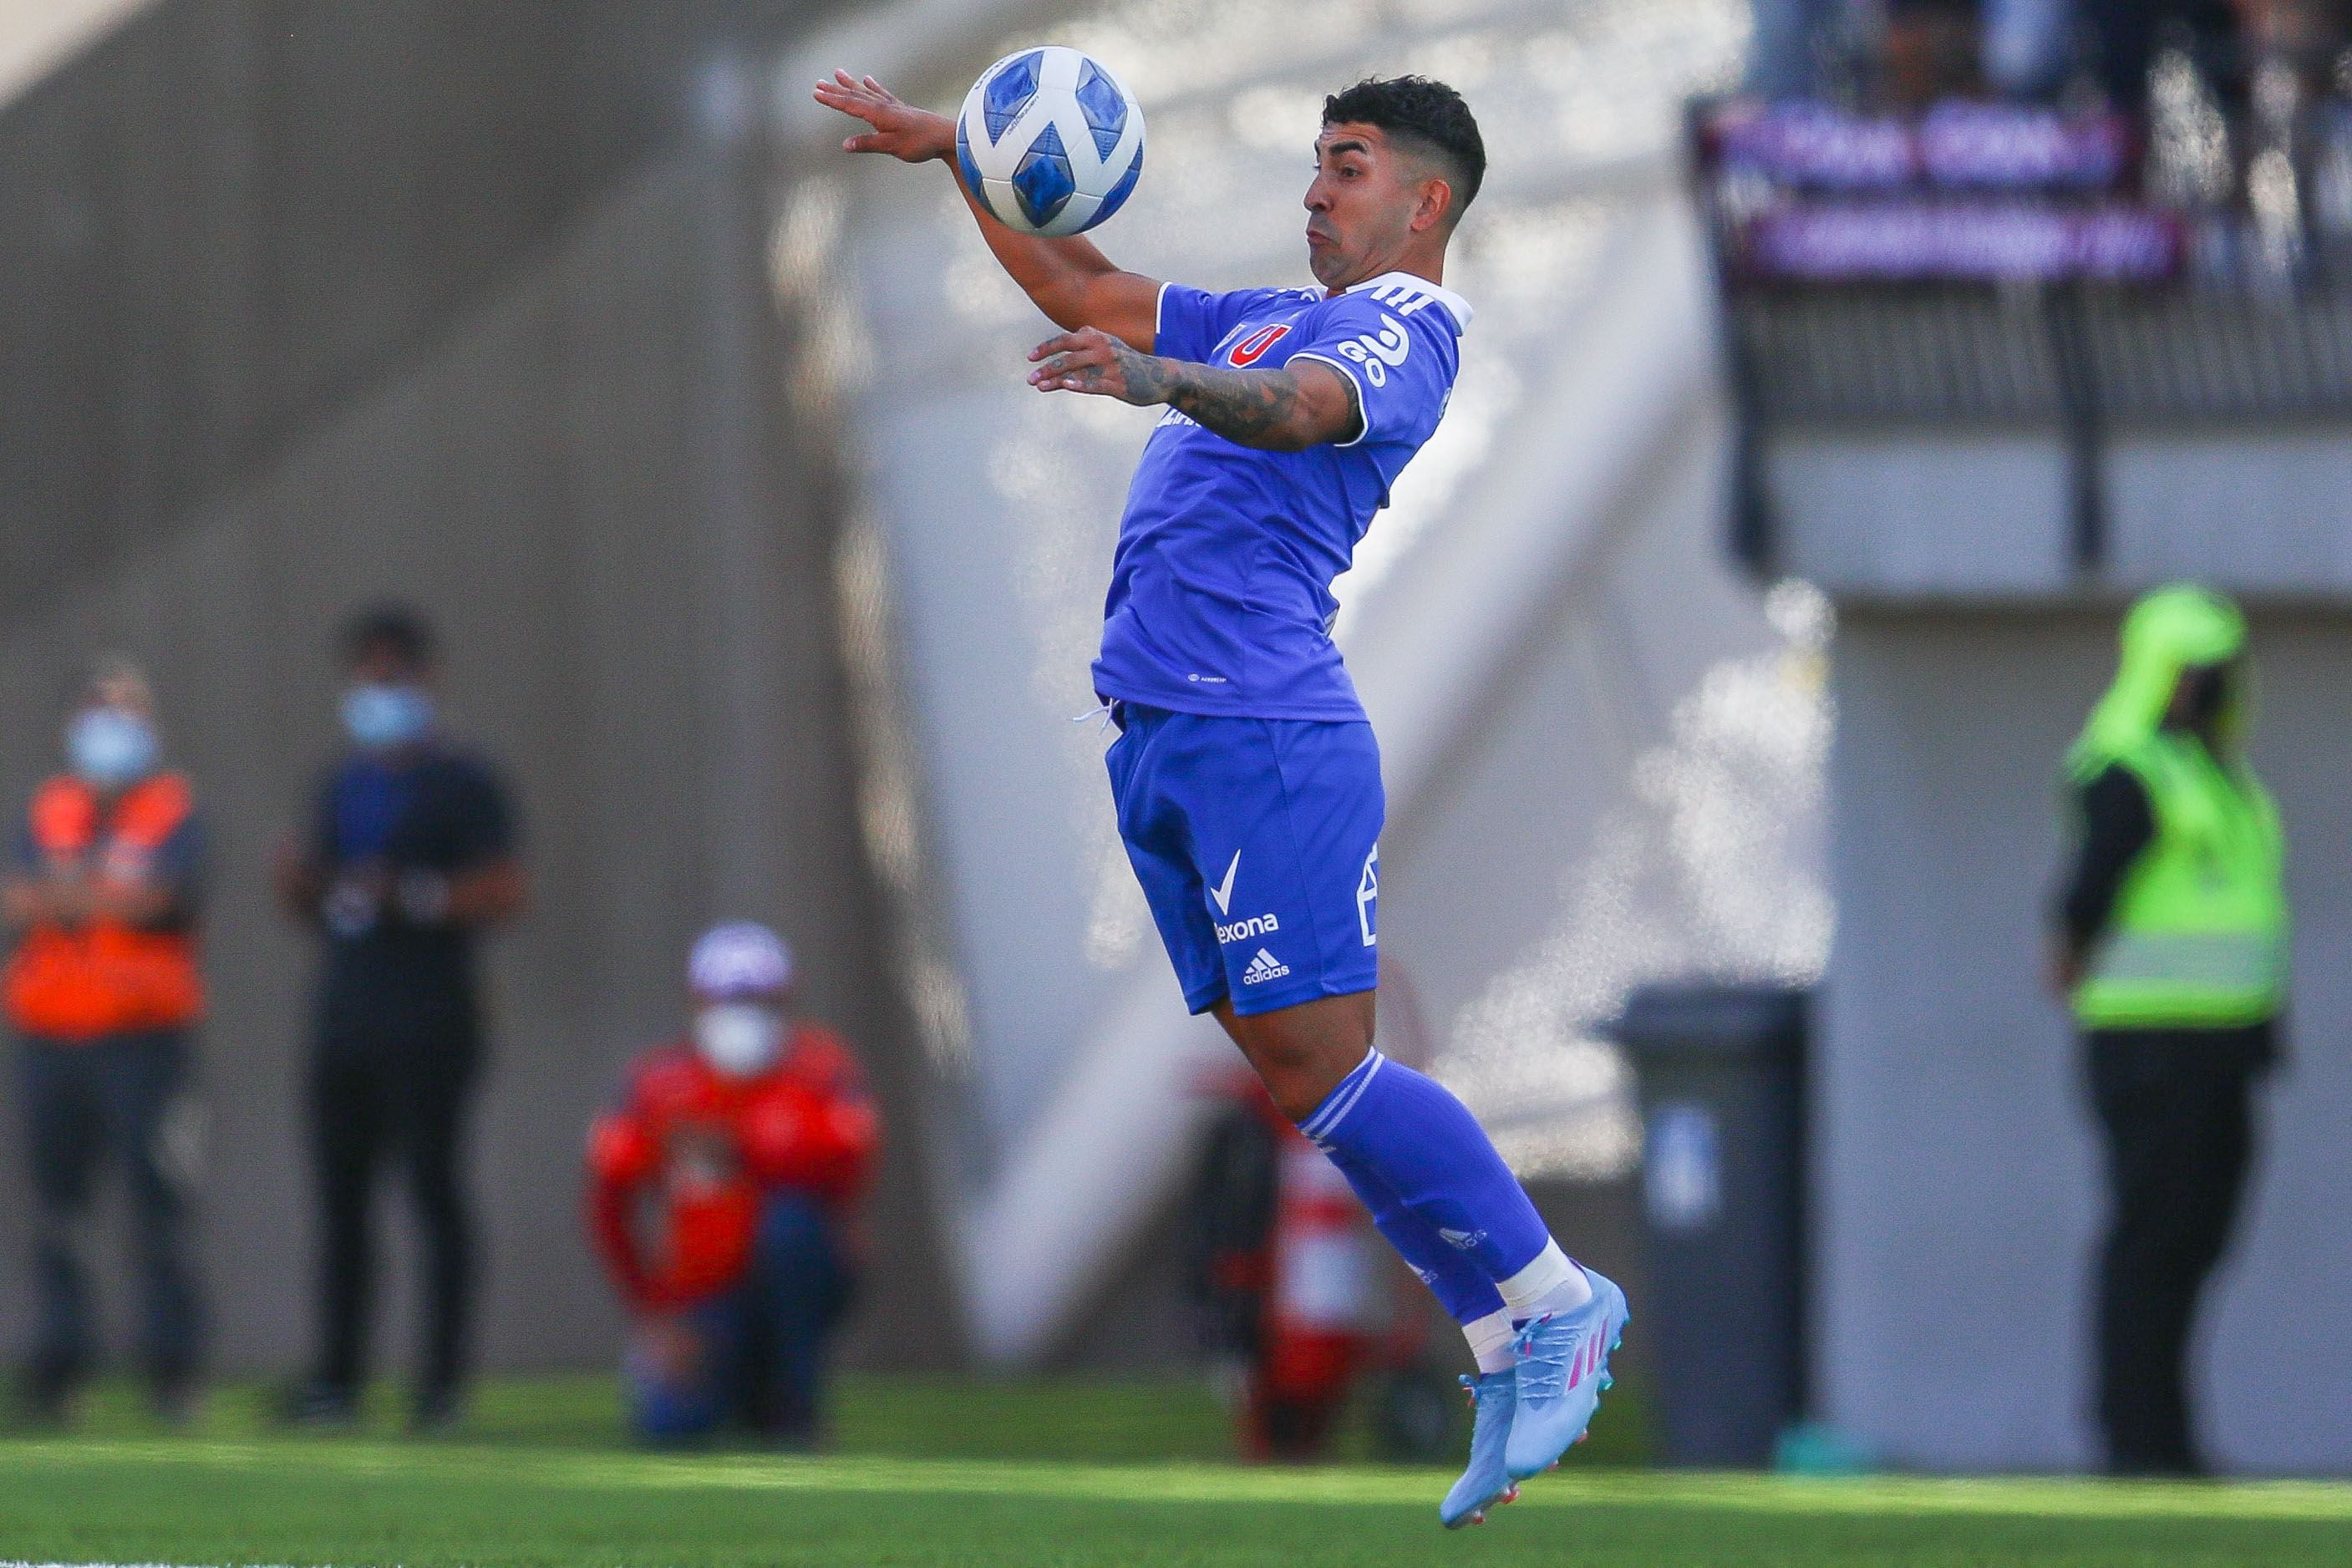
x,y
1436,206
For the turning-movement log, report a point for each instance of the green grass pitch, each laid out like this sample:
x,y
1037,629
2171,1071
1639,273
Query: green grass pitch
x,y
539,1480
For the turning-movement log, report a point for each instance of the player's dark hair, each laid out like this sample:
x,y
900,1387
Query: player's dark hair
x,y
1427,116
388,627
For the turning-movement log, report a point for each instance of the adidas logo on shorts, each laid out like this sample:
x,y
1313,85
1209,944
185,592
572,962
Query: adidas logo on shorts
x,y
1264,967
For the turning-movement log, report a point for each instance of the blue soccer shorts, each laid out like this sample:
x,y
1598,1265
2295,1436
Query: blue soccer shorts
x,y
1258,842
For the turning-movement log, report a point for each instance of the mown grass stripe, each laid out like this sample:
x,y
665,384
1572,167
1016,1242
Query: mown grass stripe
x,y
1187,1482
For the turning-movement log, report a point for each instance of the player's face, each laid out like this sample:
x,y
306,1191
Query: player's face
x,y
1362,206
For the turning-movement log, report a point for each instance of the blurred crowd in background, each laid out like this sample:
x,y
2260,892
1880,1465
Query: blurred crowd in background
x,y
1910,53
2122,139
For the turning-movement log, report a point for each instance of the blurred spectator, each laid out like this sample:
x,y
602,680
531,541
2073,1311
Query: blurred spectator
x,y
409,856
722,1197
1922,50
2171,947
1930,49
1785,55
103,992
2027,46
2126,35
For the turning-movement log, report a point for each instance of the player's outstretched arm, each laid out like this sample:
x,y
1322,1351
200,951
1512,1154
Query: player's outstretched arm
x,y
1072,282
1301,404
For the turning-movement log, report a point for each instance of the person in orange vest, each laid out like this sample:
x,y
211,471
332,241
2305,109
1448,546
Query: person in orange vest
x,y
103,991
723,1195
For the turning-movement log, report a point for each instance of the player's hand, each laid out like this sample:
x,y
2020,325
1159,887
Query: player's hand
x,y
901,131
1091,361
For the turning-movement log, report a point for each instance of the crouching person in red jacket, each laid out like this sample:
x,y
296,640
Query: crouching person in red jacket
x,y
722,1196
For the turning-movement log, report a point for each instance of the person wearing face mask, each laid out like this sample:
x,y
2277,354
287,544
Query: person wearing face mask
x,y
2171,949
723,1197
410,857
103,991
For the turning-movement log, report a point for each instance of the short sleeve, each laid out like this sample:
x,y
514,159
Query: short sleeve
x,y
1194,321
1400,359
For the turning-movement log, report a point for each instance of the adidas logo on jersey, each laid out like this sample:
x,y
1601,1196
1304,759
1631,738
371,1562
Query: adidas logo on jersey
x,y
1462,1239
1264,967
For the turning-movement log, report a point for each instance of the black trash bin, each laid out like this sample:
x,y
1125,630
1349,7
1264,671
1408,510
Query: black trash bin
x,y
1722,1072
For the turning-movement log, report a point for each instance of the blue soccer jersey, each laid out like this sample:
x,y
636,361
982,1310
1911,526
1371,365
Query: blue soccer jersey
x,y
1221,591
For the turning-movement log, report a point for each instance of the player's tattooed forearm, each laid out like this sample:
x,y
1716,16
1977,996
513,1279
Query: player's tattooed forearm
x,y
1253,408
1266,408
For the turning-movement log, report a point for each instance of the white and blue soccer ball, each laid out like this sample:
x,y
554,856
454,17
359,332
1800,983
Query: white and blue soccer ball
x,y
1050,141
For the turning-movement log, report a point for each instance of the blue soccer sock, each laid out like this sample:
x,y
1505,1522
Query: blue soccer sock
x,y
1406,1144
1460,1286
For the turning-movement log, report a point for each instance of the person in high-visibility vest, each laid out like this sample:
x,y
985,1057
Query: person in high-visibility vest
x,y
2171,951
103,991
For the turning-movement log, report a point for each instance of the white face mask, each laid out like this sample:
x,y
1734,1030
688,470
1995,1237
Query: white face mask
x,y
111,746
740,1040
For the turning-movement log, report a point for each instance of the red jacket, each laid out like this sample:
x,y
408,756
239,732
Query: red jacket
x,y
104,977
676,1175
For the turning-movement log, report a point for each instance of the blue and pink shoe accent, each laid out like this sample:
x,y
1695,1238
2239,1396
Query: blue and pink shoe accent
x,y
1563,1370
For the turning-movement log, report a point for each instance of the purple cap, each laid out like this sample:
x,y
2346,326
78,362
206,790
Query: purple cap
x,y
738,961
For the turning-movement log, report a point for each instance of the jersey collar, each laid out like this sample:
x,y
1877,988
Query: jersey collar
x,y
1456,306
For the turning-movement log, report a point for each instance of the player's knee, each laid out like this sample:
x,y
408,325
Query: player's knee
x,y
1297,1078
1295,1097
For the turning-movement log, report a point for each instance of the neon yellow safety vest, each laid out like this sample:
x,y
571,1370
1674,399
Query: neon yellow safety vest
x,y
2198,935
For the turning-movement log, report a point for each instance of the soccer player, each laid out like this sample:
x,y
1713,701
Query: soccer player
x,y
1246,777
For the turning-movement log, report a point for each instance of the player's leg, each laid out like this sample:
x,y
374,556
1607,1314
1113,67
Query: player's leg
x,y
1292,813
1153,826
1299,1050
1288,1044
1425,1166
1443,1197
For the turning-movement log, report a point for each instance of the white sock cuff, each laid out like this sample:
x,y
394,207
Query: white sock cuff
x,y
1522,1291
1490,1339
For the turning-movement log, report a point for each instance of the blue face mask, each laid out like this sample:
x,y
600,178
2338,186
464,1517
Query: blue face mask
x,y
111,748
381,716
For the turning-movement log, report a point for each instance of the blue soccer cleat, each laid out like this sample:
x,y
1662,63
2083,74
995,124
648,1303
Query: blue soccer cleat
x,y
1563,1367
1485,1484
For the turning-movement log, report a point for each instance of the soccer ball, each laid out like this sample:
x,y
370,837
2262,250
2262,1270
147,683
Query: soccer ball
x,y
1050,141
